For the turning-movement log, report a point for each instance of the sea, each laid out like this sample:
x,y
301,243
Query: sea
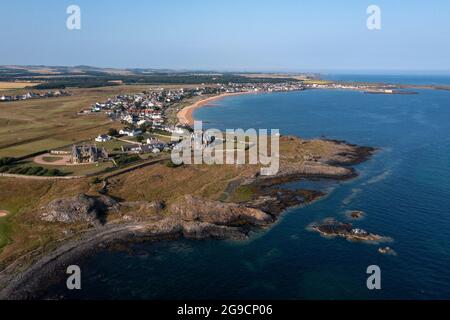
x,y
404,191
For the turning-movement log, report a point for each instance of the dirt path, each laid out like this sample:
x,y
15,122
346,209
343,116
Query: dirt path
x,y
64,161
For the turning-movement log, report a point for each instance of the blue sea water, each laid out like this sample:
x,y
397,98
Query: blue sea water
x,y
438,79
404,191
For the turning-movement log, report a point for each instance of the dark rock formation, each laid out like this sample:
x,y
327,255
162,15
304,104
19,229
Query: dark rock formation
x,y
387,250
215,212
355,214
81,208
332,227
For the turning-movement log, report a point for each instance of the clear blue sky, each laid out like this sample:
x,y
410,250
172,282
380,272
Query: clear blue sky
x,y
285,35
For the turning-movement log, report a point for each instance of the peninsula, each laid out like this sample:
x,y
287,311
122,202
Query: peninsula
x,y
64,221
81,182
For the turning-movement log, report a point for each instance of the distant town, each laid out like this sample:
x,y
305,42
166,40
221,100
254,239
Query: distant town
x,y
34,95
146,113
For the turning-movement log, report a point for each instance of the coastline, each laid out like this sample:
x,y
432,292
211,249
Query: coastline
x,y
186,115
190,217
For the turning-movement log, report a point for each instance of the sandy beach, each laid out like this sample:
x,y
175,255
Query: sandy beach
x,y
186,115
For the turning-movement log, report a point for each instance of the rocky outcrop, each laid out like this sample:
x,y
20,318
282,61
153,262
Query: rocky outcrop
x,y
192,217
387,251
355,214
275,200
332,228
81,208
315,169
195,230
190,208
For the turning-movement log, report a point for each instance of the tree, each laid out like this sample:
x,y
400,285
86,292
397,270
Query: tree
x,y
146,127
140,138
113,132
6,161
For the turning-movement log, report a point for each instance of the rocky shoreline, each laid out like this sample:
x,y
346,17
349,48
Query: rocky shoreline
x,y
190,217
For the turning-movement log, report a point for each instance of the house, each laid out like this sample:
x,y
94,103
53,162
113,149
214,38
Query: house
x,y
178,130
103,138
97,107
129,118
142,122
88,153
132,148
136,148
130,133
156,116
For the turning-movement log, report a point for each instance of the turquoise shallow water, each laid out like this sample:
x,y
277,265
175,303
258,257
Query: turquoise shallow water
x,y
404,190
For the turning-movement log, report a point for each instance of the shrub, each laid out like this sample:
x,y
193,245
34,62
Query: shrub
x,y
96,180
113,132
14,170
6,161
125,159
53,173
34,170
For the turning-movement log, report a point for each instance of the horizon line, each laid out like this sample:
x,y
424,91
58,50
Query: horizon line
x,y
359,71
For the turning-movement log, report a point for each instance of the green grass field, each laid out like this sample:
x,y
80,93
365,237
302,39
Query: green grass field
x,y
41,124
85,169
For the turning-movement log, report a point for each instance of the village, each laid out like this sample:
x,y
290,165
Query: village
x,y
145,120
34,95
147,127
147,111
144,127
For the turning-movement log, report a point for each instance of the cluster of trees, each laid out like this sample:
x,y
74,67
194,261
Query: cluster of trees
x,y
124,159
6,161
113,132
31,171
7,166
93,79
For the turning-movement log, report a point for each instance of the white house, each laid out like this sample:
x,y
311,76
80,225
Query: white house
x,y
128,118
156,116
130,133
103,138
141,122
179,130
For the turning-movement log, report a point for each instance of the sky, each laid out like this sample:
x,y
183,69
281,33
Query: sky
x,y
244,35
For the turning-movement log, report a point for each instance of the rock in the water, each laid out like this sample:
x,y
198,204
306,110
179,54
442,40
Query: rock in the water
x,y
332,227
356,214
387,250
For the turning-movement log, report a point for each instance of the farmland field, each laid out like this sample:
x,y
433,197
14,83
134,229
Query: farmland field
x,y
35,125
16,85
